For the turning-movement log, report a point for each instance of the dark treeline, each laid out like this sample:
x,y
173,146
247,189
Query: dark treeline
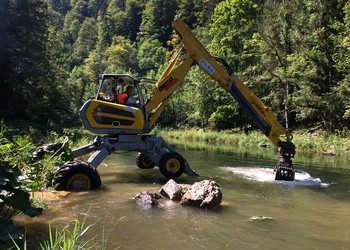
x,y
293,54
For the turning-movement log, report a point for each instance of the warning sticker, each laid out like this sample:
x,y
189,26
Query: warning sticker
x,y
206,66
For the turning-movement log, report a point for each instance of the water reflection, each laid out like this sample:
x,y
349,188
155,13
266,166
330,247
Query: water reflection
x,y
314,160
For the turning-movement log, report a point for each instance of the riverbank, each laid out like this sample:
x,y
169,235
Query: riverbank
x,y
316,142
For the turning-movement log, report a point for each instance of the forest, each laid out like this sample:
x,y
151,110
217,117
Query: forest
x,y
293,54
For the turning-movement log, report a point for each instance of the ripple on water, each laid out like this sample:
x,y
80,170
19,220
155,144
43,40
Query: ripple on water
x,y
267,175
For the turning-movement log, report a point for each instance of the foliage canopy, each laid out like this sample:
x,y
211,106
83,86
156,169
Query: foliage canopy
x,y
293,54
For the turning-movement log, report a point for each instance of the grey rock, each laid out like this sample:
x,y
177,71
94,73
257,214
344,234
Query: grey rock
x,y
173,191
204,194
147,199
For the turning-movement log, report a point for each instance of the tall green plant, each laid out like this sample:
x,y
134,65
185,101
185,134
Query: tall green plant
x,y
23,168
14,194
71,237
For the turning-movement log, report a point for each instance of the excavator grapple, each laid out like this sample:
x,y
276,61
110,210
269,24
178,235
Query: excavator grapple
x,y
284,169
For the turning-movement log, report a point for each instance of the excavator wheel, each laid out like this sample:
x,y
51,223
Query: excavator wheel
x,y
284,174
172,165
76,176
143,161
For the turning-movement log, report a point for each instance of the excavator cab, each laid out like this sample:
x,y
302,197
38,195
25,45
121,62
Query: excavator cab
x,y
113,85
105,115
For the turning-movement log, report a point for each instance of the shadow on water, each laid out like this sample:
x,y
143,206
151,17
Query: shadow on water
x,y
130,173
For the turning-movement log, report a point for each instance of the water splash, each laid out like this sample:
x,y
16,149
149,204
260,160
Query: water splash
x,y
267,175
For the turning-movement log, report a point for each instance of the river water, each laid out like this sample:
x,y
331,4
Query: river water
x,y
256,212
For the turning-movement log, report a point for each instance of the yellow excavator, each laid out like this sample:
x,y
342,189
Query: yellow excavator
x,y
127,124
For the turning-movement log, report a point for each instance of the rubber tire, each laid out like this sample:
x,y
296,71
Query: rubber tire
x,y
142,161
172,165
81,171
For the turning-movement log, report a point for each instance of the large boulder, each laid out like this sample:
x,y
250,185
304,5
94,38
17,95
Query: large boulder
x,y
173,190
204,194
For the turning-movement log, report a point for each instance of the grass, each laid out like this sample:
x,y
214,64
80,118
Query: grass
x,y
227,137
321,142
70,238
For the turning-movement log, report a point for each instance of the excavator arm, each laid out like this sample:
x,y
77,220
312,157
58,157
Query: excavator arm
x,y
261,114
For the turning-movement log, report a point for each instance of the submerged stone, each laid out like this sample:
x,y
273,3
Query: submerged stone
x,y
147,199
260,218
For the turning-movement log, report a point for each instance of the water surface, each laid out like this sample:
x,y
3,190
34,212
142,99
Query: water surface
x,y
256,213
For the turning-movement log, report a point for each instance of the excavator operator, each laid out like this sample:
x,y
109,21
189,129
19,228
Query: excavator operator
x,y
124,97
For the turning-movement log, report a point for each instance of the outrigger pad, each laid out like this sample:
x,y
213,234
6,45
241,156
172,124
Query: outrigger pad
x,y
284,173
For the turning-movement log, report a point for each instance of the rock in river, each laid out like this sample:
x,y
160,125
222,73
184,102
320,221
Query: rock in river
x,y
203,194
173,190
147,199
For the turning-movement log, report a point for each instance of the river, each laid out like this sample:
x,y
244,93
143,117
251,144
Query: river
x,y
257,212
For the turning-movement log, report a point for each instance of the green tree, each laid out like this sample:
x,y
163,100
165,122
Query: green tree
x,y
232,29
196,13
120,56
25,69
133,12
342,60
157,18
72,21
150,56
313,40
116,19
88,75
233,24
201,96
85,42
61,6
275,45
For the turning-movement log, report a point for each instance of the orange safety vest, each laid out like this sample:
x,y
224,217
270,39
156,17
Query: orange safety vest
x,y
123,97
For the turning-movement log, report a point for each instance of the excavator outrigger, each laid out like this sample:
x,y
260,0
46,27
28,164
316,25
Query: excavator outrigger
x,y
127,126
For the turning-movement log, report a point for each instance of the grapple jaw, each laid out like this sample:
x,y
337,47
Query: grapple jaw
x,y
284,168
284,173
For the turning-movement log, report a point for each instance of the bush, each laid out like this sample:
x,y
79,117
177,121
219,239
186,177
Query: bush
x,y
21,171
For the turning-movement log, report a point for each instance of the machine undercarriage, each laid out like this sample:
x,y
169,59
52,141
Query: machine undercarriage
x,y
152,151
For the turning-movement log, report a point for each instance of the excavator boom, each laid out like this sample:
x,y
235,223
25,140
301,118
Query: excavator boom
x,y
261,114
